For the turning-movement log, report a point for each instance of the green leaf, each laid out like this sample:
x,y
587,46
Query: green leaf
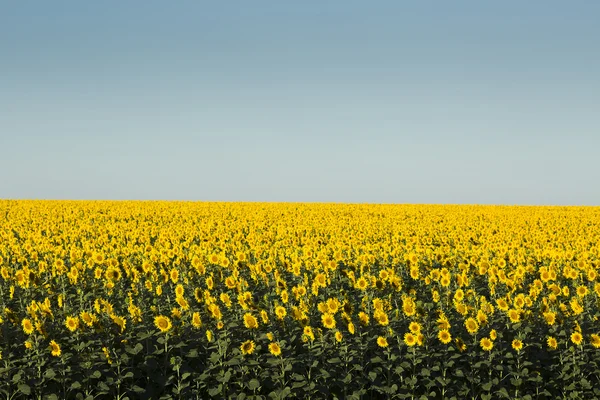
x,y
138,389
49,374
136,349
17,377
253,384
215,391
25,389
75,386
372,376
103,387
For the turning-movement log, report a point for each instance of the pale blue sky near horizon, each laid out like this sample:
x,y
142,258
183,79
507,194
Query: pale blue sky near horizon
x,y
476,102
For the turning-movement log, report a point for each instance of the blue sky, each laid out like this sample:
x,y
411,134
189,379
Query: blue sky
x,y
482,102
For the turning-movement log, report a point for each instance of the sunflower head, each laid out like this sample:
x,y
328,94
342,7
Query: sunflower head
x,y
274,349
163,323
247,347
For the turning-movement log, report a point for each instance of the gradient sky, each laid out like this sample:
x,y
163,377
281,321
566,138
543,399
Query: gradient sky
x,y
488,102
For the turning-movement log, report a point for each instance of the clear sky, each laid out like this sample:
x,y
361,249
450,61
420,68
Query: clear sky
x,y
330,101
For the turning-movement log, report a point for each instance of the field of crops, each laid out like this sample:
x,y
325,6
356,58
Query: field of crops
x,y
266,300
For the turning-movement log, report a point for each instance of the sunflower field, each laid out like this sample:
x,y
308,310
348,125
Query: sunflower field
x,y
185,300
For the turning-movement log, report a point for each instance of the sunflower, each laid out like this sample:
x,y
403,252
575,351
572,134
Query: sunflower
x,y
382,342
444,336
514,315
174,275
481,317
163,323
382,318
552,343
517,344
576,338
230,282
88,318
595,340
308,333
120,321
264,316
328,321
443,324
338,336
502,304
72,323
414,327
274,349
247,347
280,312
550,317
486,344
459,295
471,325
196,321
362,283
209,335
321,280
493,334
351,328
250,321
409,339
176,313
54,348
408,306
27,326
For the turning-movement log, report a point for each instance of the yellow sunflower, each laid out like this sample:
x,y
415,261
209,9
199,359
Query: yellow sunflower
x,y
338,336
163,323
471,325
328,321
382,342
444,336
517,344
595,340
274,349
247,347
414,327
72,323
250,321
55,349
486,344
576,338
280,312
27,326
409,339
196,321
